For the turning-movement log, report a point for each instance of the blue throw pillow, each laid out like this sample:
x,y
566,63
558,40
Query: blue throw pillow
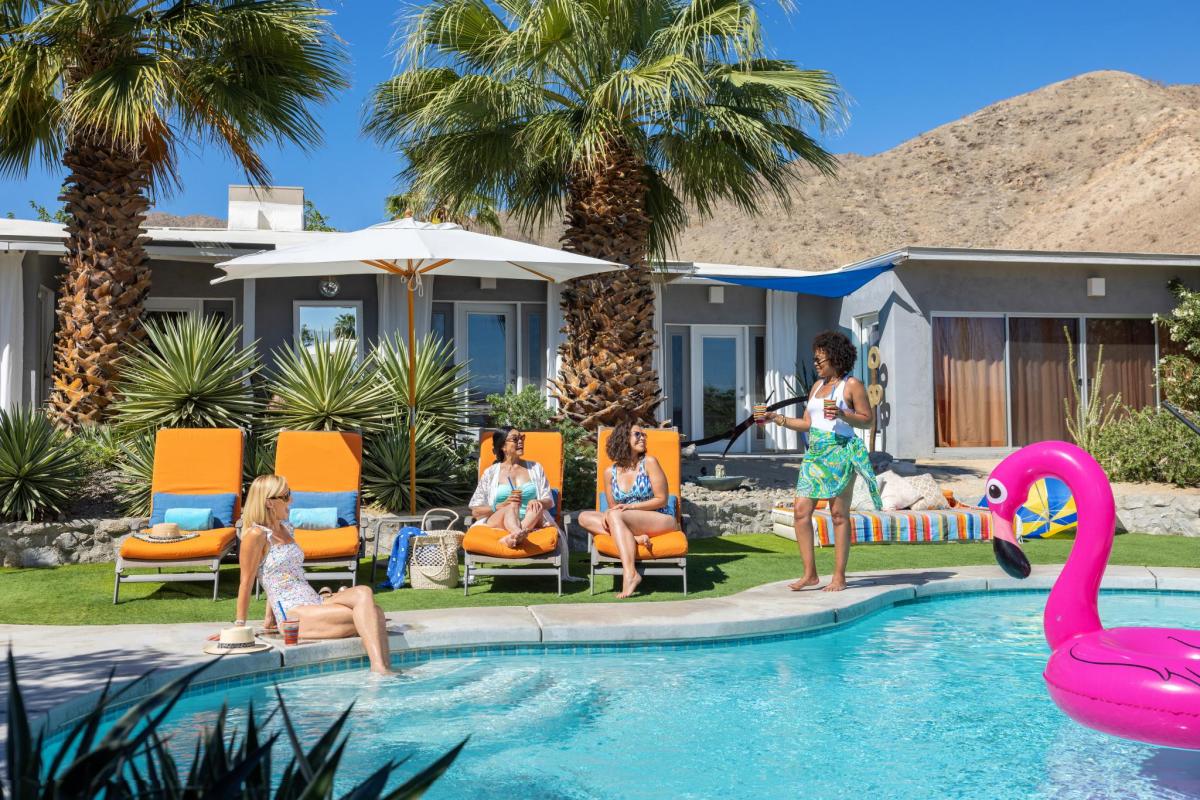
x,y
672,502
346,504
190,519
221,505
314,519
554,501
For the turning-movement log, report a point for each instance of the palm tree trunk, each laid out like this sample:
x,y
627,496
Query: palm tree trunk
x,y
607,369
108,276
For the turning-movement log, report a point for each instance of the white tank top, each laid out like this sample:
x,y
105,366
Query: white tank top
x,y
816,411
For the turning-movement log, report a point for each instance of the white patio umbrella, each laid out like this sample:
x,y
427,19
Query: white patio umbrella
x,y
409,249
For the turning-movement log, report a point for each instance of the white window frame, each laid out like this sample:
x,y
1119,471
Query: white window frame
x,y
1083,376
192,306
358,318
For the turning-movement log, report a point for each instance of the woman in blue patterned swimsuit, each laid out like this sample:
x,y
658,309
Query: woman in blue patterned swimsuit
x,y
637,491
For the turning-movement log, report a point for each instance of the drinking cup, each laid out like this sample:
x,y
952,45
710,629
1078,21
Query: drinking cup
x,y
290,628
760,413
830,408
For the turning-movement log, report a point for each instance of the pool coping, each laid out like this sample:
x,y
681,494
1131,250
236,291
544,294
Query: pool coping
x,y
769,610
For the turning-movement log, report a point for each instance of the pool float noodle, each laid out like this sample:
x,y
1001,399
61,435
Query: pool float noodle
x,y
1136,683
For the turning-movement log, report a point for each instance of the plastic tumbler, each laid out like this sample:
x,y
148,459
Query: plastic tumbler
x,y
760,413
290,628
830,408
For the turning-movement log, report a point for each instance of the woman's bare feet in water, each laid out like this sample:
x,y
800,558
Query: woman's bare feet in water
x,y
804,583
630,585
835,585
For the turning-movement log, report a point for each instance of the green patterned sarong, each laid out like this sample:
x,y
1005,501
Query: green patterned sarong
x,y
830,463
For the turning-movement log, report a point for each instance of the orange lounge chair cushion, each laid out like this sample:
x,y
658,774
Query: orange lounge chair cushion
x,y
209,544
482,540
333,543
672,544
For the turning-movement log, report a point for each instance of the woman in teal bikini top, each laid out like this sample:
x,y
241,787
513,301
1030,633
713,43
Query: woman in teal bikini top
x,y
495,501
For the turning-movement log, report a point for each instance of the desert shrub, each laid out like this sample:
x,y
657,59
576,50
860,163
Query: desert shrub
x,y
40,466
385,470
527,410
1179,373
135,471
324,387
1179,379
132,758
187,373
1148,446
439,382
99,447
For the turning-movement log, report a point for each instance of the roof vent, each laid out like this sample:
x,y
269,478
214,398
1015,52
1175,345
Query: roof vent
x,y
266,208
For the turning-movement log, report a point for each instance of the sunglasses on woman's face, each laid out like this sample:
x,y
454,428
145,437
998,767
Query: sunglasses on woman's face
x,y
820,362
639,435
515,439
284,497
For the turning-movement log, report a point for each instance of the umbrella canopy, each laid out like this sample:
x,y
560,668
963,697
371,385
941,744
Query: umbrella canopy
x,y
1049,511
406,247
409,249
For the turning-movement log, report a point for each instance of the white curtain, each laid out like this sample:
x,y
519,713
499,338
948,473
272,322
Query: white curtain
x,y
554,334
393,306
12,329
781,361
657,352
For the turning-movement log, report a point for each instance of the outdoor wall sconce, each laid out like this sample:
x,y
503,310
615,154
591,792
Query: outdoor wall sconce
x,y
1095,287
487,283
716,294
329,286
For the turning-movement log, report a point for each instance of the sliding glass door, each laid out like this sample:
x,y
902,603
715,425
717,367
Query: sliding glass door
x,y
1040,377
970,391
1125,350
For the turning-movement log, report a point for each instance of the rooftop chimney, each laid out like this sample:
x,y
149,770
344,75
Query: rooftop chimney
x,y
266,208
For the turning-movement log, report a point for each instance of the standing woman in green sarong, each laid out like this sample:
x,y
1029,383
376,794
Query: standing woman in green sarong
x,y
837,403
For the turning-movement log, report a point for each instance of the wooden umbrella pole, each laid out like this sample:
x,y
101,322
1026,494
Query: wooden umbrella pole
x,y
412,400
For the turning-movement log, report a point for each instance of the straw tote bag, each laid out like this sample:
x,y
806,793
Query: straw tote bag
x,y
433,556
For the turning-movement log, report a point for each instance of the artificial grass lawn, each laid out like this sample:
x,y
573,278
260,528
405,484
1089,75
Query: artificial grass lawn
x,y
82,594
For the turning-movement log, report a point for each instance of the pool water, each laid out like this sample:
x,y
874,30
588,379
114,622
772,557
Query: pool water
x,y
931,699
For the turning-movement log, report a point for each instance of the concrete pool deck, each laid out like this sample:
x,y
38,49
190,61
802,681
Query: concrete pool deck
x,y
62,667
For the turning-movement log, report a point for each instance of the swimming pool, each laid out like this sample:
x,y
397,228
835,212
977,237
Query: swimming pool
x,y
940,698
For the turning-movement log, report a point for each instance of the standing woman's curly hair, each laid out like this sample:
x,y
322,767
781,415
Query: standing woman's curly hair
x,y
618,445
838,349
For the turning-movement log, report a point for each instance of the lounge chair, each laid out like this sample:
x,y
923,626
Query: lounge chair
x,y
668,553
544,552
323,469
193,468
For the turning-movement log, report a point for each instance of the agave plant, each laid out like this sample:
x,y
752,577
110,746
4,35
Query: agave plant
x,y
385,470
324,387
132,758
135,471
189,372
441,384
40,466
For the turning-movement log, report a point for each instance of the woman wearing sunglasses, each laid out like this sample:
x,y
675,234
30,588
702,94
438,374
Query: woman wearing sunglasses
x,y
837,404
513,494
636,488
269,550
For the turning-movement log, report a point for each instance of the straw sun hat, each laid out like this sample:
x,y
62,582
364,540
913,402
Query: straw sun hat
x,y
236,640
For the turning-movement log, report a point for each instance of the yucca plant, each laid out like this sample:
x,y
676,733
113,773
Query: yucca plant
x,y
40,467
441,384
135,471
132,759
324,387
385,470
189,372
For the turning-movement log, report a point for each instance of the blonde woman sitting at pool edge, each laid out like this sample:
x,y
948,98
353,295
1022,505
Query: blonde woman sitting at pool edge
x,y
513,494
837,403
269,550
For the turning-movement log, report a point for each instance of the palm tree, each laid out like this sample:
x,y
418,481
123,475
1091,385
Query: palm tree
x,y
112,89
630,116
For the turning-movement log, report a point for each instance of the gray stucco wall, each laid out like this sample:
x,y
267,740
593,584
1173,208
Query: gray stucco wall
x,y
506,291
193,279
687,304
274,310
907,297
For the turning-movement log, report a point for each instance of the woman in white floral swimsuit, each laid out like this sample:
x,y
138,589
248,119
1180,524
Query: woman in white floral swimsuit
x,y
269,550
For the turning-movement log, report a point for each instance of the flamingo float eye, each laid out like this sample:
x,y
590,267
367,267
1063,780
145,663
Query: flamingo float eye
x,y
996,493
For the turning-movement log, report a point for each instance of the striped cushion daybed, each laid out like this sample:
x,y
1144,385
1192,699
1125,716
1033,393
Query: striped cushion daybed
x,y
958,524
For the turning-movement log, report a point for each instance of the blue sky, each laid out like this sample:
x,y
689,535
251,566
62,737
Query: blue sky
x,y
907,67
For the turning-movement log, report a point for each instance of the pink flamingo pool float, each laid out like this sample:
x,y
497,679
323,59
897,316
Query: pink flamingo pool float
x,y
1136,683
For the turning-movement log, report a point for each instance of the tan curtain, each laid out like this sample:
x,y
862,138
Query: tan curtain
x,y
969,392
1128,359
1040,377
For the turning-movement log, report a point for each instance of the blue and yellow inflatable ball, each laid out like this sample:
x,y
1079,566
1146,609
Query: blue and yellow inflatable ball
x,y
1049,511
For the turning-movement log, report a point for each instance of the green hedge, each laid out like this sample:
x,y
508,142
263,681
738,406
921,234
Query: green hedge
x,y
1149,446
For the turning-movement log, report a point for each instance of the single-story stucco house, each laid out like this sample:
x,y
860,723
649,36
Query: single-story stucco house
x,y
972,341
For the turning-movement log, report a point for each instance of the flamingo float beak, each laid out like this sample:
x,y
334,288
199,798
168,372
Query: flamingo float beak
x,y
1008,553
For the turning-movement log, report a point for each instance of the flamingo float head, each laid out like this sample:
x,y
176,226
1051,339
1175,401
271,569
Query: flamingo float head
x,y
1007,490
